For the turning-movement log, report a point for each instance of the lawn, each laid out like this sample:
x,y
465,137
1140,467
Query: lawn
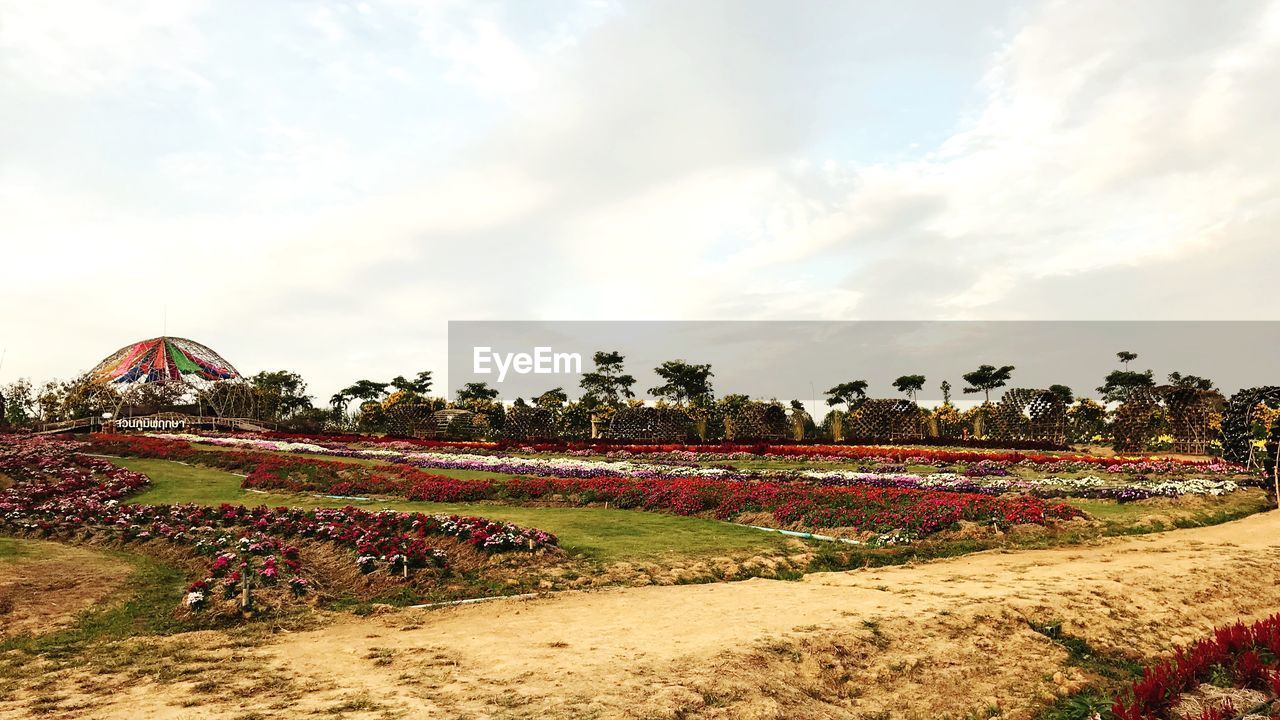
x,y
1164,513
12,549
597,533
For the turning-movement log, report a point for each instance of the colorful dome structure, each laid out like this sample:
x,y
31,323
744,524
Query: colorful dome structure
x,y
168,374
163,360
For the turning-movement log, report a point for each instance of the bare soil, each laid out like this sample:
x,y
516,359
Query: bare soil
x,y
940,639
48,584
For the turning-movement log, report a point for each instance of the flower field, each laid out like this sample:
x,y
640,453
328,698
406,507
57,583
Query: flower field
x,y
791,502
737,451
1124,479
60,493
1239,656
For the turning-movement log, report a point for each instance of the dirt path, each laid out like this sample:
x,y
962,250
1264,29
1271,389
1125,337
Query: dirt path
x,y
950,637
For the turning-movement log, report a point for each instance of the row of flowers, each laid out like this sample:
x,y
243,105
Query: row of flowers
x,y
60,492
740,451
987,476
871,509
1239,655
878,510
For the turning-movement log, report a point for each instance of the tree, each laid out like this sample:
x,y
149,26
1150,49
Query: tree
x,y
366,390
987,378
1193,382
19,402
847,393
419,385
1086,421
1064,393
476,392
1120,384
1127,357
607,384
280,394
684,382
946,392
339,401
553,399
909,384
798,406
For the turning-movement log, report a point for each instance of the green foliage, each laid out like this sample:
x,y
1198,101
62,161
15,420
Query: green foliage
x,y
419,385
279,394
987,378
1086,420
553,399
366,390
607,385
909,384
683,383
1192,382
847,394
1064,393
476,392
1120,384
19,403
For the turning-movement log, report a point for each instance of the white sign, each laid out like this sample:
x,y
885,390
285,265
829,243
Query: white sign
x,y
542,362
149,423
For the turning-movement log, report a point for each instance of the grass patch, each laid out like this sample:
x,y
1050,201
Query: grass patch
x,y
600,534
12,549
1113,671
151,592
1136,518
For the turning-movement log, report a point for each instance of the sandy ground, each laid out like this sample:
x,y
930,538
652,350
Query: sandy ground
x,y
941,639
45,589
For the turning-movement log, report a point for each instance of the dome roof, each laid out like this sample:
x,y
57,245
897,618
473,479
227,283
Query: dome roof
x,y
163,359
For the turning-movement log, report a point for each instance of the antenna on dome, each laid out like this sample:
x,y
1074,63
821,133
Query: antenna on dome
x,y
165,331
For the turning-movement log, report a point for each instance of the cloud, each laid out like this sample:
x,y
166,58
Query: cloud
x,y
336,190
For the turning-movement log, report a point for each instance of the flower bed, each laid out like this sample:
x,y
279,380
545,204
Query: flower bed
x,y
872,509
878,510
63,494
729,450
1236,656
988,476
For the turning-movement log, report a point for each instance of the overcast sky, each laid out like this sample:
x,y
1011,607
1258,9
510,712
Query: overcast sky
x,y
321,186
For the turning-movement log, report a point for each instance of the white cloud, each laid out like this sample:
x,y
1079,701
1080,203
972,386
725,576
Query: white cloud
x,y
84,46
337,193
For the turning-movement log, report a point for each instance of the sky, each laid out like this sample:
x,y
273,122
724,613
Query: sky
x,y
322,186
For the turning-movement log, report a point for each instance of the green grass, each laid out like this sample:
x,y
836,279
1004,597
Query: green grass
x,y
147,609
1136,517
11,549
597,533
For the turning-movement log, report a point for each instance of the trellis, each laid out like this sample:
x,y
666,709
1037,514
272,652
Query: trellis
x,y
410,418
757,421
893,419
1189,413
1135,423
454,422
649,424
1237,429
1028,414
529,423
